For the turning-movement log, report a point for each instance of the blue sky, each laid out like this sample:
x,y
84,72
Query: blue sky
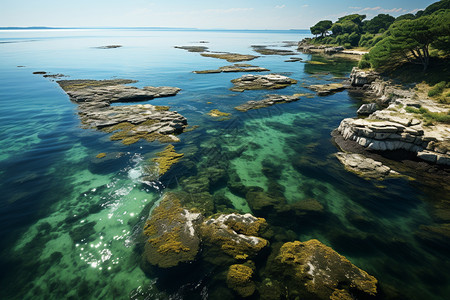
x,y
230,14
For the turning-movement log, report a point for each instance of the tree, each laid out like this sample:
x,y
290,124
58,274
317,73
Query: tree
x,y
377,23
410,40
405,17
355,18
444,4
322,28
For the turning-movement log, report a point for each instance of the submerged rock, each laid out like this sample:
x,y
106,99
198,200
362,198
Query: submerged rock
x,y
130,122
294,59
171,234
230,57
268,100
327,89
234,234
217,113
315,270
364,166
261,82
234,68
239,279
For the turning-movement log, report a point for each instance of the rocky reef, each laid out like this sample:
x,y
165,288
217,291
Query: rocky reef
x,y
261,82
129,122
268,100
407,123
234,68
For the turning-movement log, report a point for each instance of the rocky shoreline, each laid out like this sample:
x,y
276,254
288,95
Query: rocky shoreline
x,y
400,124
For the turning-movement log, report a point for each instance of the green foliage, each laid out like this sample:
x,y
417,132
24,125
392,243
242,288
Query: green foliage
x,y
380,22
322,27
444,4
355,18
364,63
430,116
405,17
437,89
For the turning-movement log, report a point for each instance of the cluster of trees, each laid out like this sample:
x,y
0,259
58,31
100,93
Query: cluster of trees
x,y
393,41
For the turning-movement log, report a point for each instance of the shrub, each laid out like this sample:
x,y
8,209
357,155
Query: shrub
x,y
364,64
437,89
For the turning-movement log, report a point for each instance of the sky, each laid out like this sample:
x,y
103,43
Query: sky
x,y
229,14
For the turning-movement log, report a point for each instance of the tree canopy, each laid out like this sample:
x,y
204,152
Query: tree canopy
x,y
321,27
378,23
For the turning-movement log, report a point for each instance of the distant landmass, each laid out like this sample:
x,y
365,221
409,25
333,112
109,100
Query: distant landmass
x,y
143,28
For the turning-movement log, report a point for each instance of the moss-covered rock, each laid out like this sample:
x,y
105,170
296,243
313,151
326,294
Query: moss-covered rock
x,y
239,279
315,270
171,233
234,234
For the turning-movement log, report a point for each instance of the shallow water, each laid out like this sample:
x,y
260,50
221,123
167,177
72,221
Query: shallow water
x,y
69,223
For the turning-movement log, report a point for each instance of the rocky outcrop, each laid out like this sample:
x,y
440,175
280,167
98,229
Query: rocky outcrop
x,y
364,166
406,122
267,51
268,100
171,234
129,122
230,57
367,109
234,68
327,89
360,78
394,128
261,82
318,272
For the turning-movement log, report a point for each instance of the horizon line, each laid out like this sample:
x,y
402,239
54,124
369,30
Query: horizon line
x,y
134,27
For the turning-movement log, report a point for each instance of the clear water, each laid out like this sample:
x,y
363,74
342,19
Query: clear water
x,y
69,224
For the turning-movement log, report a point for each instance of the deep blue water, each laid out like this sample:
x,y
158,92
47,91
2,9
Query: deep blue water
x,y
52,185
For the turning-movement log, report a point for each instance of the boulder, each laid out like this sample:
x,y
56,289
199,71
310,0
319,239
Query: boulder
x,y
234,234
239,279
171,233
318,272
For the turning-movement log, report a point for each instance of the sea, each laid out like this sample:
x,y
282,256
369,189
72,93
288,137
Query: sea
x,y
70,223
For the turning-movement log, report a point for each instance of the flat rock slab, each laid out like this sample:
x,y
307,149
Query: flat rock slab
x,y
268,51
131,122
327,89
365,167
193,48
268,100
294,59
230,57
234,68
261,82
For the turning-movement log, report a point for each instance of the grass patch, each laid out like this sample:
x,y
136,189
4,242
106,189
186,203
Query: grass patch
x,y
430,116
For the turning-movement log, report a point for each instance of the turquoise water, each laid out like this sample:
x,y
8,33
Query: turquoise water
x,y
70,223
